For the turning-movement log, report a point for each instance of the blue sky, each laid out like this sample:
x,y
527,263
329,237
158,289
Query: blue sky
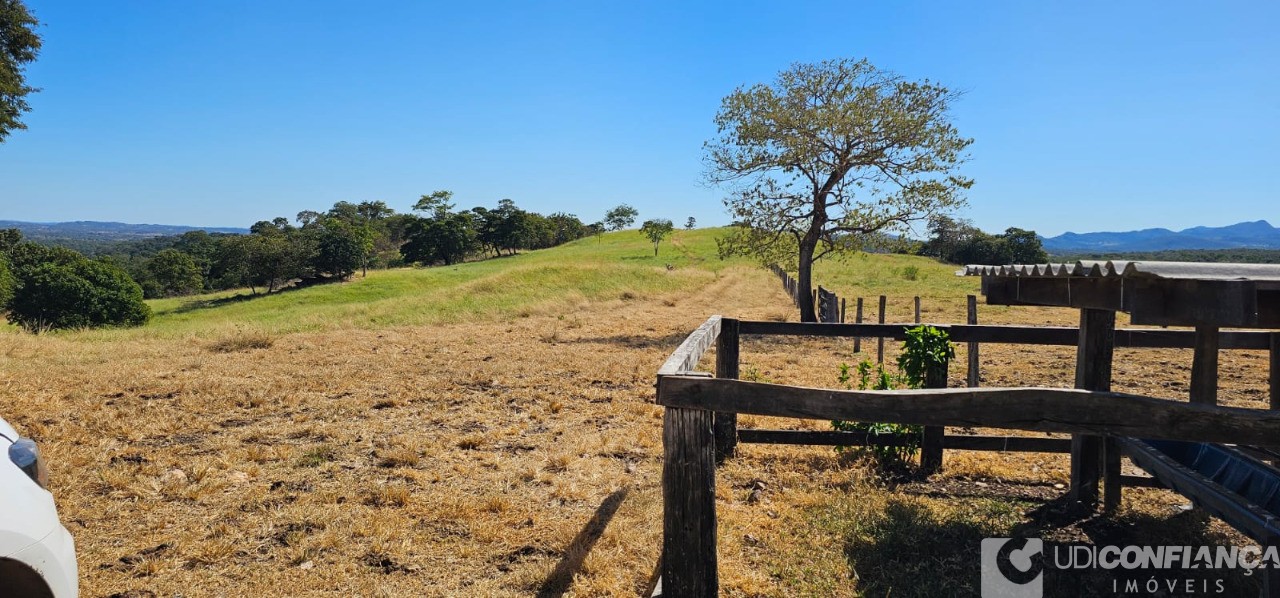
x,y
1086,116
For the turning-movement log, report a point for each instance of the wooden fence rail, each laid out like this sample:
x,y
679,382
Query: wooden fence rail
x,y
1064,410
1151,338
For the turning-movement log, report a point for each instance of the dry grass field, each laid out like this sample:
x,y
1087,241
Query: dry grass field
x,y
483,436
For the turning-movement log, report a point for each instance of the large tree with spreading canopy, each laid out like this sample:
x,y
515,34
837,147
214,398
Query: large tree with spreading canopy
x,y
828,156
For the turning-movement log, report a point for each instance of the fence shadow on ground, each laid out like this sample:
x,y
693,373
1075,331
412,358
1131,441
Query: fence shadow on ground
x,y
635,341
558,582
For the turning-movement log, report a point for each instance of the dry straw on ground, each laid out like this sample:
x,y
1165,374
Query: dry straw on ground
x,y
510,457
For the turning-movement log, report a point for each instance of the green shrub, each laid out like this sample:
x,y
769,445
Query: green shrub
x,y
7,282
878,379
911,272
59,289
925,347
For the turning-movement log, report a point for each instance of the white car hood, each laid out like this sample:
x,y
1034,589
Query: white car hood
x,y
8,432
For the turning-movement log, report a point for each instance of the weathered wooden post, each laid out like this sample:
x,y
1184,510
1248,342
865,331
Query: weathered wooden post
x,y
1204,366
974,374
1271,579
917,309
842,310
1275,370
1093,372
880,345
689,504
726,424
931,445
857,340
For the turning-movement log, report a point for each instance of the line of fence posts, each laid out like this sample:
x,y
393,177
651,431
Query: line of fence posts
x,y
830,308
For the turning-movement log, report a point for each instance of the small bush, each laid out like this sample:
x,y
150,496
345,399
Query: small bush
x,y
878,379
58,289
317,456
925,348
911,272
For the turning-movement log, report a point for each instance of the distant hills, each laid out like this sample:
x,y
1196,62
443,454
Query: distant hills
x,y
104,231
1256,235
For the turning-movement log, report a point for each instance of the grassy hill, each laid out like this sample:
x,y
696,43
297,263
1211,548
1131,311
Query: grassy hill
x,y
551,281
554,280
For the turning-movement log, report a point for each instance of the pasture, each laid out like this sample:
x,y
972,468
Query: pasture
x,y
488,429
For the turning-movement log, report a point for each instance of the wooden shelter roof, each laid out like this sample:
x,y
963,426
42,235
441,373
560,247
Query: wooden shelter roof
x,y
1153,293
1143,269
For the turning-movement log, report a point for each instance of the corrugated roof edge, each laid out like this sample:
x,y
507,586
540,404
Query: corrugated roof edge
x,y
1126,269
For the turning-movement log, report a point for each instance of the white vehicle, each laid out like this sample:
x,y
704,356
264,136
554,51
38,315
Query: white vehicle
x,y
37,554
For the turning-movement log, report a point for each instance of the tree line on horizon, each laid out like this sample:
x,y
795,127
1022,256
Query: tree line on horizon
x,y
44,288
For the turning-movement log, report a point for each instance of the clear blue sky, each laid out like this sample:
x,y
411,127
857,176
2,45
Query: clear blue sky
x,y
1086,116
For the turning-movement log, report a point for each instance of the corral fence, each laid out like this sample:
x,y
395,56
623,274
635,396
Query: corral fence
x,y
831,310
700,418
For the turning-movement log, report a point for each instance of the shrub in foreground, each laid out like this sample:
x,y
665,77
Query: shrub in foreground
x,y
62,289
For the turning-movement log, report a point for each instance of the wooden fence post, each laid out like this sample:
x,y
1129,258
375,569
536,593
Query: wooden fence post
x,y
1275,370
726,424
857,319
880,345
975,373
931,445
1271,579
1204,366
1093,372
842,310
688,504
917,309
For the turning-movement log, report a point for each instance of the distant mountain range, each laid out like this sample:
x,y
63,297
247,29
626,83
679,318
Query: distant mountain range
x,y
104,231
1258,235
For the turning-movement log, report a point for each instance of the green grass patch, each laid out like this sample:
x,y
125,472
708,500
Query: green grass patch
x,y
618,265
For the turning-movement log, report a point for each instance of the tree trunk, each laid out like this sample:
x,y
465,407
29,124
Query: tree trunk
x,y
805,280
655,250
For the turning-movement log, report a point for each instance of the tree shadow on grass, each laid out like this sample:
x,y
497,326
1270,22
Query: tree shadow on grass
x,y
297,285
911,548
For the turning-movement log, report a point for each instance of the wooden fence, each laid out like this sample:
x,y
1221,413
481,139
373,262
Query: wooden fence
x,y
831,310
700,418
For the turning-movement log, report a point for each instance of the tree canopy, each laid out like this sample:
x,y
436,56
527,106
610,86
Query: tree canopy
x,y
828,155
19,45
656,230
960,242
620,217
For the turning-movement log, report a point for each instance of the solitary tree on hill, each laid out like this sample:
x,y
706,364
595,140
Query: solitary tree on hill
x,y
829,154
656,230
